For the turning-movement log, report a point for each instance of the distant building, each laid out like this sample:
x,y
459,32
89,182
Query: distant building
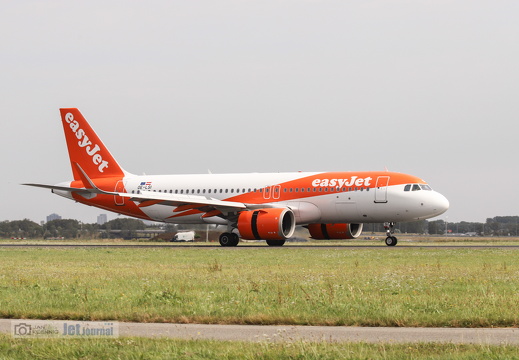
x,y
53,217
102,219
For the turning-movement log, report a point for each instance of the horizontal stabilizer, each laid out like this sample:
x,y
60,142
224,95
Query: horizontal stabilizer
x,y
73,189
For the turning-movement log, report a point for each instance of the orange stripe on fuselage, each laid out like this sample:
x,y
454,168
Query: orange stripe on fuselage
x,y
348,180
342,182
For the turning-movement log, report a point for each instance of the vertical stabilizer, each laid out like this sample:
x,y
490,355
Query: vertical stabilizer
x,y
86,149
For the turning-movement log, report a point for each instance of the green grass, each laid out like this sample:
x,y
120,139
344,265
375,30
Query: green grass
x,y
364,287
142,348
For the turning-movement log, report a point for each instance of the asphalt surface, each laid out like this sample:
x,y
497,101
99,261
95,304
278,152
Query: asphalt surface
x,y
264,246
257,333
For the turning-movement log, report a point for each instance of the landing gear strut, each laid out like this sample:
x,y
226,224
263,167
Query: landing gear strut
x,y
390,239
229,239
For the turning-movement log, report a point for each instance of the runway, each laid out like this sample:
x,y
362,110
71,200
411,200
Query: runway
x,y
281,333
262,246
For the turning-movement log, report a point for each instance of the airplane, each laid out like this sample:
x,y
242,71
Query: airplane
x,y
253,206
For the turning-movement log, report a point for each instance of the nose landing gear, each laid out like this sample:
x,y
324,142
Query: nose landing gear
x,y
390,239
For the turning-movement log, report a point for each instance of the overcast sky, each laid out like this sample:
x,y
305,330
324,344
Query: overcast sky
x,y
428,88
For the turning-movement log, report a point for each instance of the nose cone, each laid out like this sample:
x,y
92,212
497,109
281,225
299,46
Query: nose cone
x,y
439,203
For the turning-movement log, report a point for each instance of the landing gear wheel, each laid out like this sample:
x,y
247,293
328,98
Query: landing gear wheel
x,y
235,239
229,239
391,241
275,242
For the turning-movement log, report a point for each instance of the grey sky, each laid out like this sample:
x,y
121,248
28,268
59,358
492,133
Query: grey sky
x,y
427,88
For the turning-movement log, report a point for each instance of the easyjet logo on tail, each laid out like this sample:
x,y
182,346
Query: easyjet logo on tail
x,y
352,181
85,143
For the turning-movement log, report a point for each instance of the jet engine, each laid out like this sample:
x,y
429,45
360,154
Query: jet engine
x,y
335,231
266,224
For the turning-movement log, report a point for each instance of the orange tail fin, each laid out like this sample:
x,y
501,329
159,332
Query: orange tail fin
x,y
86,149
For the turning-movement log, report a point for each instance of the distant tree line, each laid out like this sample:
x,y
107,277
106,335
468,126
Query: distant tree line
x,y
74,229
69,229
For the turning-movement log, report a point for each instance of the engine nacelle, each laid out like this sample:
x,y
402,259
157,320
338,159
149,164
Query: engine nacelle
x,y
266,224
335,231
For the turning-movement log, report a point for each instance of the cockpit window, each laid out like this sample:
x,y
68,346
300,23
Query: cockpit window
x,y
417,187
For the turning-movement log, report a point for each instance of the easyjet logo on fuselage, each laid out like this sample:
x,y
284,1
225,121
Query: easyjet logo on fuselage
x,y
352,181
84,142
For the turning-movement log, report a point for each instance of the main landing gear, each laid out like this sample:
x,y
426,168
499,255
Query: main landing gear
x,y
229,239
232,239
390,239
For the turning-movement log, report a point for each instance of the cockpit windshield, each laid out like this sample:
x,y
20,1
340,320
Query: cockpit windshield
x,y
417,187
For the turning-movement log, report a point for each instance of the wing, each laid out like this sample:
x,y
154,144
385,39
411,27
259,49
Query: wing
x,y
185,202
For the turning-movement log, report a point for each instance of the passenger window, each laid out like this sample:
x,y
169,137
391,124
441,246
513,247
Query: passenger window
x,y
407,187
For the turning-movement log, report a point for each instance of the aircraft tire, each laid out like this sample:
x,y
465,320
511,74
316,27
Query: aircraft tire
x,y
229,239
275,242
391,241
235,239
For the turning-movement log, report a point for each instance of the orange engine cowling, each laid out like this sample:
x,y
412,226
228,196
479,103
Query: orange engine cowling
x,y
266,224
335,231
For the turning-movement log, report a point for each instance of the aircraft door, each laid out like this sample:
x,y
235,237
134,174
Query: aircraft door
x,y
276,191
381,189
267,192
119,187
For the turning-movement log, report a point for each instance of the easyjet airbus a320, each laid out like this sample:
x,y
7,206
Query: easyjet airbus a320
x,y
331,205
